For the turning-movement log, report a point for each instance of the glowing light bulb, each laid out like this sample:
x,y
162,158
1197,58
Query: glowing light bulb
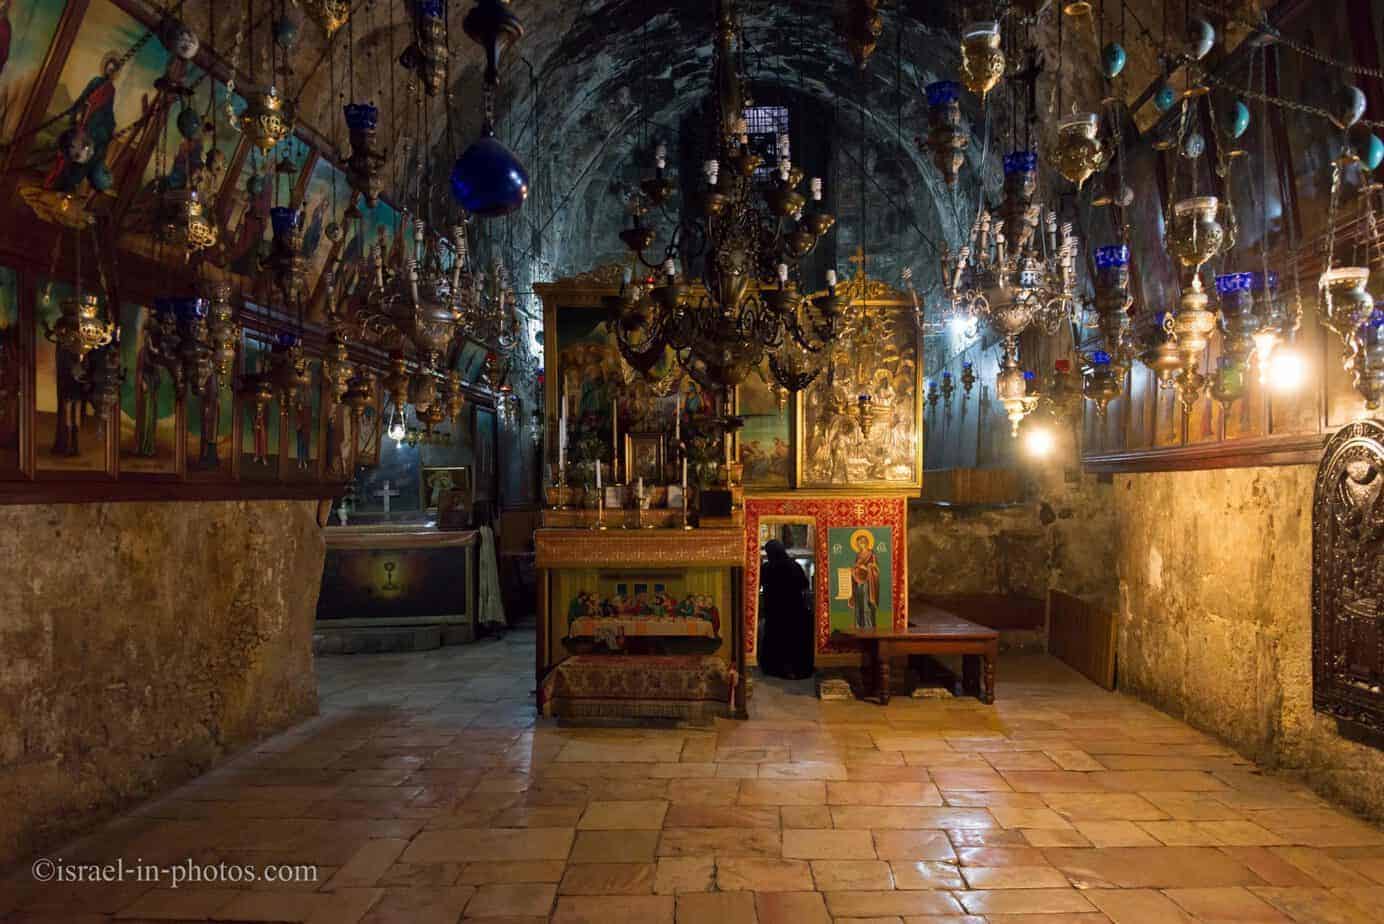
x,y
816,189
960,326
831,279
661,155
1287,369
1039,441
1264,343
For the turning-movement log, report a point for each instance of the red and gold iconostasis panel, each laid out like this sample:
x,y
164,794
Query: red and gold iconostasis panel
x,y
884,517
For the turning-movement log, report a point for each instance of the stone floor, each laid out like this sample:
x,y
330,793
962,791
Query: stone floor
x,y
426,792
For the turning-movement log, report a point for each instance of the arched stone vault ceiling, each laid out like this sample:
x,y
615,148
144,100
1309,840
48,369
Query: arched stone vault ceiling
x,y
588,76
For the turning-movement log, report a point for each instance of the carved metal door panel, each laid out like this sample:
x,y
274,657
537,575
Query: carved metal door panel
x,y
1348,577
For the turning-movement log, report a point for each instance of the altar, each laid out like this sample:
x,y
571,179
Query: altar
x,y
636,623
396,587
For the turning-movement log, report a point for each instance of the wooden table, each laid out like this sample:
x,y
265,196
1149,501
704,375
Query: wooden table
x,y
930,631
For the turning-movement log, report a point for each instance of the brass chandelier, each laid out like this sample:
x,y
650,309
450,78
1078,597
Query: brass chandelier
x,y
750,238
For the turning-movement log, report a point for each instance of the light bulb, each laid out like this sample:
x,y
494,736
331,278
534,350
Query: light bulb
x,y
661,155
831,279
960,325
1287,369
1264,343
816,189
783,273
1039,441
670,268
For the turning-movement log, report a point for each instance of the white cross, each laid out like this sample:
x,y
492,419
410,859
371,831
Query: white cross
x,y
385,494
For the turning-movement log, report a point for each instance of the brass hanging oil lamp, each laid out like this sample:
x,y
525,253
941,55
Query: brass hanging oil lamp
x,y
427,55
1012,389
1104,380
396,382
288,370
331,15
337,368
946,140
365,167
1113,298
1239,326
79,328
267,119
224,330
100,375
285,261
1078,152
181,221
982,58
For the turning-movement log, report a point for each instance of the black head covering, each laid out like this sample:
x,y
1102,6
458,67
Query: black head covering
x,y
775,550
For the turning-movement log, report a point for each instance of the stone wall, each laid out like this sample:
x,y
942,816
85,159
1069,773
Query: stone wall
x,y
1059,536
141,642
1215,581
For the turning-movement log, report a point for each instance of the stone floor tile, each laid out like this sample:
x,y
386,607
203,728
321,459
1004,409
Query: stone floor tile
x,y
1103,807
913,845
368,864
1028,817
1002,837
420,905
703,791
972,780
815,844
1115,834
623,816
895,793
1054,837
586,909
720,842
762,874
721,816
1137,906
1239,833
489,844
1013,877
614,847
513,871
1321,866
791,908
908,816
1151,867
1000,856
1053,781
177,904
1028,902
803,770
1181,833
1231,904
872,904
716,908
1073,759
675,875
926,874
608,879
852,875
783,792
1315,906
805,816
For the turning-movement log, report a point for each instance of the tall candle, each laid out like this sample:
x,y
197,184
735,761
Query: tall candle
x,y
684,478
562,435
677,420
614,437
598,474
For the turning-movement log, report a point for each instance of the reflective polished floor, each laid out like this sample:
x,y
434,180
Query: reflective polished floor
x,y
427,792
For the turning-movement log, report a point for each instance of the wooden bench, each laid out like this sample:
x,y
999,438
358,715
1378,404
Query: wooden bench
x,y
931,631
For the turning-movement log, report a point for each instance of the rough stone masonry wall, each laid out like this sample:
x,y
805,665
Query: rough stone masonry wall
x,y
1060,536
1215,581
141,642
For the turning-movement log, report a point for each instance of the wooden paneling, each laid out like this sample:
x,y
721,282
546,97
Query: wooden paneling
x,y
1083,636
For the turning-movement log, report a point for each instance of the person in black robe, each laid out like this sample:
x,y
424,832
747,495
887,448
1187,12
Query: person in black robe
x,y
786,647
